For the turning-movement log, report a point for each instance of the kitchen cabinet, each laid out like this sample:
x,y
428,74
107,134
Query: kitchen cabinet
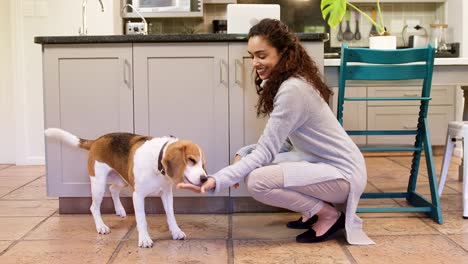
x,y
88,91
181,89
403,115
396,115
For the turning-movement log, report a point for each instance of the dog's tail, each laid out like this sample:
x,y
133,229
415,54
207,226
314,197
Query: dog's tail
x,y
68,138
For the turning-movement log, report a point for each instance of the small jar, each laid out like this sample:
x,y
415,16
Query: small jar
x,y
438,38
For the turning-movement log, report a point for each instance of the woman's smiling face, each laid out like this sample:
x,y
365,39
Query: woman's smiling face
x,y
264,56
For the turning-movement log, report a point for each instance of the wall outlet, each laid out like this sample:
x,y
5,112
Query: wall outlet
x,y
411,23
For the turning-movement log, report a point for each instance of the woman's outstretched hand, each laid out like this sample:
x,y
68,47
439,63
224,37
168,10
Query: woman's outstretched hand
x,y
208,185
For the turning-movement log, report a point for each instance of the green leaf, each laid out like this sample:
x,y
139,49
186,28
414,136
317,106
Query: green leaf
x,y
333,11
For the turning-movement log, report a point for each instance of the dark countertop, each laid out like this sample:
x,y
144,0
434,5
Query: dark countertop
x,y
162,38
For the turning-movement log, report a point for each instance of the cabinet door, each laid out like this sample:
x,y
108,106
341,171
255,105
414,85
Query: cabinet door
x,y
405,118
88,92
181,89
245,126
354,112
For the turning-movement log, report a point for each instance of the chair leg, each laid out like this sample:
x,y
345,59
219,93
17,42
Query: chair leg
x,y
465,181
436,212
449,145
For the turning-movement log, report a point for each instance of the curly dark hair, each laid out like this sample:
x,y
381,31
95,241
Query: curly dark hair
x,y
294,61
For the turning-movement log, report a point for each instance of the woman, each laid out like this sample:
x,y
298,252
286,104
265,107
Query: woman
x,y
323,165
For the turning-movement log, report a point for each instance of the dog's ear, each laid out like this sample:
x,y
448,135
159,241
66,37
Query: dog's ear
x,y
203,160
174,161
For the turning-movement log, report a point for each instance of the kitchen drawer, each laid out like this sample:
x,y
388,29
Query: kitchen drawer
x,y
441,95
405,118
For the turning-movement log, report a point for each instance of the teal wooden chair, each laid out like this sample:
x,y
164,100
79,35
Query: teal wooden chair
x,y
394,65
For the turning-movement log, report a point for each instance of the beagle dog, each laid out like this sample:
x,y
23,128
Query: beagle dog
x,y
145,163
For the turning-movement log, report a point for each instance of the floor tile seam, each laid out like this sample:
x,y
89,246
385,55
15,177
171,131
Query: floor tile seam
x,y
407,235
347,253
455,242
27,233
404,165
124,239
9,165
25,200
229,242
120,239
1,197
387,218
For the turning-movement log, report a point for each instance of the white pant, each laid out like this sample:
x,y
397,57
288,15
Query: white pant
x,y
266,184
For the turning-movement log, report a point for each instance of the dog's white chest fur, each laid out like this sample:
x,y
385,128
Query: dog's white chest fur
x,y
145,168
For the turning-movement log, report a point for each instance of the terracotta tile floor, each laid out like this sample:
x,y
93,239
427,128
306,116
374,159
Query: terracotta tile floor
x,y
31,230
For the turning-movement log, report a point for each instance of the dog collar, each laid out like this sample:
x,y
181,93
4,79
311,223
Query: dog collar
x,y
161,152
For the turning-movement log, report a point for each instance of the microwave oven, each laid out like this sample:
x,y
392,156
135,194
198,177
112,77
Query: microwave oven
x,y
162,5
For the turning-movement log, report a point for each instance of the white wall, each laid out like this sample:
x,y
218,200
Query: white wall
x,y
7,113
30,18
457,18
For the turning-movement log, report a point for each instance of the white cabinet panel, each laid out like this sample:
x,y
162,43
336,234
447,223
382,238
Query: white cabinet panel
x,y
405,118
182,90
88,92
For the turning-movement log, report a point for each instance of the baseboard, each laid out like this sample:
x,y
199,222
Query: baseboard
x,y
182,205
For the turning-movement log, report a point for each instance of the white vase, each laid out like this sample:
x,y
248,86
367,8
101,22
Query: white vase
x,y
382,42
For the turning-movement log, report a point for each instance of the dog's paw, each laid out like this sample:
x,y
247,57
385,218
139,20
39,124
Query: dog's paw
x,y
178,234
145,241
120,212
103,229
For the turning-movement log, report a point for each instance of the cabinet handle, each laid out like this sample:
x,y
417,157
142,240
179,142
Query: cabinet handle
x,y
221,71
409,127
411,94
237,62
127,73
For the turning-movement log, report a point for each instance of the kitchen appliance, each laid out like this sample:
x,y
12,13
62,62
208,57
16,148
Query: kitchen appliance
x,y
241,17
162,5
417,41
220,26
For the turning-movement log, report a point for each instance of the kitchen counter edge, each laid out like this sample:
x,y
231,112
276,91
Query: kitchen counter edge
x,y
162,38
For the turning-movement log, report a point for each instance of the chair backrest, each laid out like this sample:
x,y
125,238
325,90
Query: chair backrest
x,y
386,65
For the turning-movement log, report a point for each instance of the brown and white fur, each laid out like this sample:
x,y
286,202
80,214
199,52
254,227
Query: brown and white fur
x,y
122,159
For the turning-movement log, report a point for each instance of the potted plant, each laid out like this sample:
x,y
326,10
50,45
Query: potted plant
x,y
333,12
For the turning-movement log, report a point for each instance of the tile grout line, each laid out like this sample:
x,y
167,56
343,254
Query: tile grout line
x,y
35,179
454,242
9,165
120,245
230,244
347,253
446,236
15,242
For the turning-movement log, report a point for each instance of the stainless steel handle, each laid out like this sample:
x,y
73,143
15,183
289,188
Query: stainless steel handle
x,y
411,94
127,73
409,127
220,71
236,63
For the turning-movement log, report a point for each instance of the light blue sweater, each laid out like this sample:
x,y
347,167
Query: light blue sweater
x,y
301,115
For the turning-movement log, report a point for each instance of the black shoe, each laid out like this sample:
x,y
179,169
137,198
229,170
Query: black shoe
x,y
298,224
309,236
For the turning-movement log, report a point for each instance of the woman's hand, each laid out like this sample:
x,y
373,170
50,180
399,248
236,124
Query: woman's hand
x,y
208,185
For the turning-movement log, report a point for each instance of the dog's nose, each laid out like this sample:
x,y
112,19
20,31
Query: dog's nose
x,y
203,178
